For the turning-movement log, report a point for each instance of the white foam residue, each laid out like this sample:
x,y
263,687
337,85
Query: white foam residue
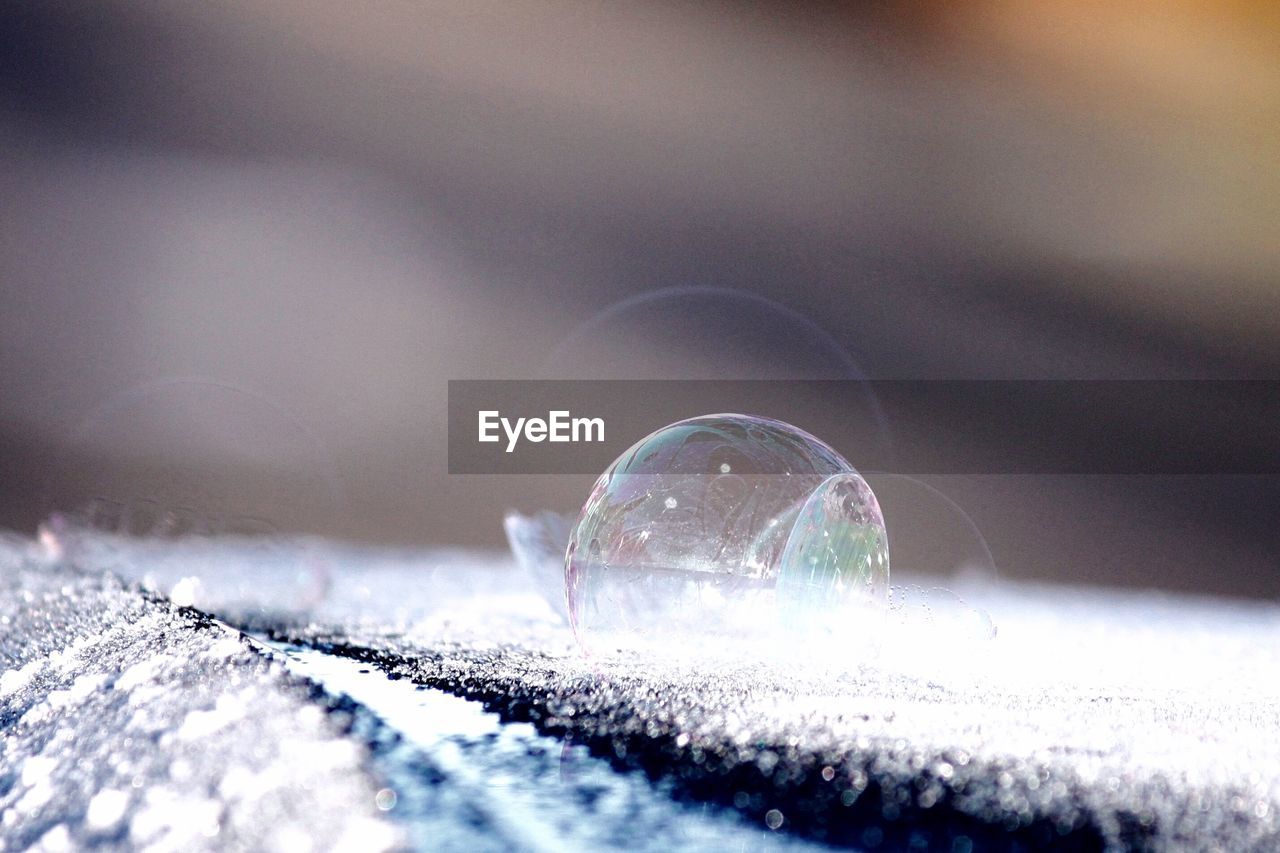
x,y
201,724
106,808
14,680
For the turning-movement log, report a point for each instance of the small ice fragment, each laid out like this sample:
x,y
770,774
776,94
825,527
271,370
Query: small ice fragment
x,y
186,592
106,809
538,544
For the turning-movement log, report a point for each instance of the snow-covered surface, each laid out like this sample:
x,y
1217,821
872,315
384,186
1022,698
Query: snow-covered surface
x,y
1093,718
129,723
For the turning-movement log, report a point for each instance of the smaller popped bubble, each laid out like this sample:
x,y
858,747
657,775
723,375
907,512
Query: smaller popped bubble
x,y
934,634
933,536
936,613
239,568
190,487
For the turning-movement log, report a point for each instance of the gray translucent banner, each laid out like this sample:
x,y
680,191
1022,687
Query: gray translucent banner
x,y
900,426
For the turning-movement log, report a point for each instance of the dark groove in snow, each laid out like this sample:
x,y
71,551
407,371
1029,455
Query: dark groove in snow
x,y
465,780
729,777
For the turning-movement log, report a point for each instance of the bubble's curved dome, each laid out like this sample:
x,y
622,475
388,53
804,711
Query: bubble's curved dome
x,y
688,532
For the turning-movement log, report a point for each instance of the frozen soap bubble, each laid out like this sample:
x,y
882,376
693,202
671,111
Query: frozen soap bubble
x,y
722,530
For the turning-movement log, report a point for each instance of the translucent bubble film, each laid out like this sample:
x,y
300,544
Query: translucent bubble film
x,y
723,529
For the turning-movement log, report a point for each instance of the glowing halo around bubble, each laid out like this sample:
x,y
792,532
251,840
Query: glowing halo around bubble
x,y
825,356
703,332
934,536
723,532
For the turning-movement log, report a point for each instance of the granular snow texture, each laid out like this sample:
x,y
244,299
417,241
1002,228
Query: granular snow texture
x,y
1093,720
129,723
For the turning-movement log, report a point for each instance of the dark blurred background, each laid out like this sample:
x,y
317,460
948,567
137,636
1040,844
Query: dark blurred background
x,y
335,208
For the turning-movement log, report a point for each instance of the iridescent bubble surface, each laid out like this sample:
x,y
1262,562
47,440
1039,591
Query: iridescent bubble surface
x,y
837,549
698,536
